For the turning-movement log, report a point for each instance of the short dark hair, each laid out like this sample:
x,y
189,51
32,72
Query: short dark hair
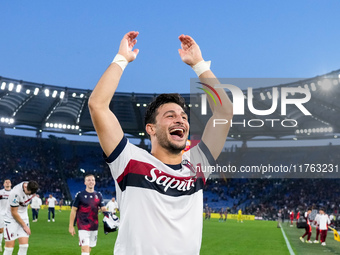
x,y
151,111
32,186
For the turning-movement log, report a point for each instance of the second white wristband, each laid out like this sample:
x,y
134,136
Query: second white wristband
x,y
201,67
121,61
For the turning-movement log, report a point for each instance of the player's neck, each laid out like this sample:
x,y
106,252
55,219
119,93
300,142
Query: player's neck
x,y
165,156
89,190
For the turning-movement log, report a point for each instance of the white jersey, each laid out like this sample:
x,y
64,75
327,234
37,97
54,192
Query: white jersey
x,y
36,202
317,220
18,198
3,201
51,201
160,208
324,221
112,206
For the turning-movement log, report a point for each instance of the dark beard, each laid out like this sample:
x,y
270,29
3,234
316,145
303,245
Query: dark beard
x,y
166,144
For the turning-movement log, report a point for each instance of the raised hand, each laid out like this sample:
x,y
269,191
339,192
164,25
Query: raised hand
x,y
190,52
128,42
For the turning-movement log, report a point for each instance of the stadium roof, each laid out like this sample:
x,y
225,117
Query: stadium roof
x,y
47,108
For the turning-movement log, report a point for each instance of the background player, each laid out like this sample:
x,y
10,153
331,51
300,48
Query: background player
x,y
16,219
239,216
308,229
279,218
112,206
317,227
225,214
324,223
172,216
51,201
61,203
207,212
297,216
4,193
35,205
291,215
221,215
85,208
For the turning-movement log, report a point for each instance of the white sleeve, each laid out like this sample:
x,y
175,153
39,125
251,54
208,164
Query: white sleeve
x,y
121,156
13,199
201,159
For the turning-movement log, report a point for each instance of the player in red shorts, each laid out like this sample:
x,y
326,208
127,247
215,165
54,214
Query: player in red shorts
x,y
317,227
308,229
324,223
291,218
297,216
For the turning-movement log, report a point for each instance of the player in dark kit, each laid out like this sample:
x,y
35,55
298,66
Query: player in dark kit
x,y
225,214
308,229
221,215
85,207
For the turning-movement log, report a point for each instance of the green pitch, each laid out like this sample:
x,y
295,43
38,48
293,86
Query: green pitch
x,y
248,238
293,234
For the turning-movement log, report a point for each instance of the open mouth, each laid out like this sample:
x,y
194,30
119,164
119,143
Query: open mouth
x,y
177,133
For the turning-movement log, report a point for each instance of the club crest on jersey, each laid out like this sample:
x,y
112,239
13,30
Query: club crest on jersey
x,y
170,182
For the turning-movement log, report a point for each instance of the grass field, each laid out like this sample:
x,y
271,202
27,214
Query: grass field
x,y
332,246
248,238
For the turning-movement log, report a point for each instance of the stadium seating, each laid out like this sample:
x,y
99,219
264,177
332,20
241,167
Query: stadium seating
x,y
59,166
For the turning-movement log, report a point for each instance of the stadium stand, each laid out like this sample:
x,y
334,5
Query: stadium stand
x,y
60,165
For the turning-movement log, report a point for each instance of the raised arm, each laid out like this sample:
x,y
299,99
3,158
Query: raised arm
x,y
213,137
105,122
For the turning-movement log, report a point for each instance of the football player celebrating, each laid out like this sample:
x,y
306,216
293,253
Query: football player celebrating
x,y
166,185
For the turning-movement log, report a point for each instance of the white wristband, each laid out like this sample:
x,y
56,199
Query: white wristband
x,y
121,61
201,67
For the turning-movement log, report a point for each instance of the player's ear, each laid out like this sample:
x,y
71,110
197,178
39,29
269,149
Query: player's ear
x,y
150,129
